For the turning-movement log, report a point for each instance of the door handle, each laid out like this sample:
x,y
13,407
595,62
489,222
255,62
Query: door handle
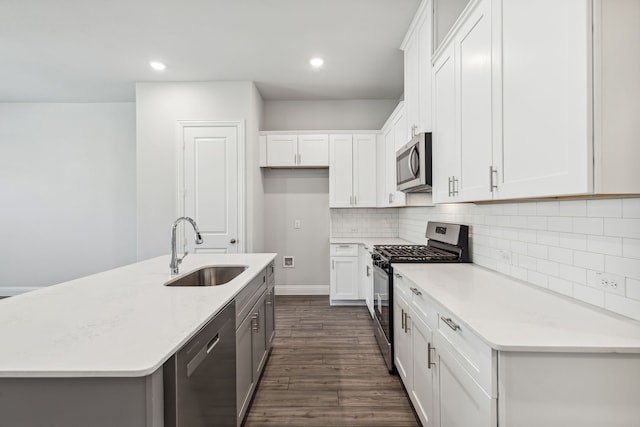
x,y
429,362
232,241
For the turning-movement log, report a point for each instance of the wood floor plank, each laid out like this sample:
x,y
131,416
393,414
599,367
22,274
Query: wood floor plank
x,y
325,369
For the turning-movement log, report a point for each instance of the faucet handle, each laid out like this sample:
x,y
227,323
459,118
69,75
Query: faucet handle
x,y
183,257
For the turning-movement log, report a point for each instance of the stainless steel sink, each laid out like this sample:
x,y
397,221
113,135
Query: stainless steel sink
x,y
208,276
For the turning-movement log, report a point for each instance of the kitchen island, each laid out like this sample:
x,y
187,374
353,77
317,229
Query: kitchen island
x,y
86,350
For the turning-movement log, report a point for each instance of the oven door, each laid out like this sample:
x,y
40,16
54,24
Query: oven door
x,y
383,309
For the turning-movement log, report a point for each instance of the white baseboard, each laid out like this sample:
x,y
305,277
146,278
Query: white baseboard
x,y
302,289
10,291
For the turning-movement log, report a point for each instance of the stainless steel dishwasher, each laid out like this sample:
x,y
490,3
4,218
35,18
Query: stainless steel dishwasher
x,y
200,379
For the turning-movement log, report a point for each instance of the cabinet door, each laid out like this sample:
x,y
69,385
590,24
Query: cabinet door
x,y
446,148
546,147
270,321
244,366
259,337
412,83
366,277
340,171
282,150
425,71
461,401
344,278
364,171
398,198
402,339
474,74
423,373
313,150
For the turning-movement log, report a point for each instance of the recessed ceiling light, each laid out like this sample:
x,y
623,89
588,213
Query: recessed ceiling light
x,y
316,62
158,66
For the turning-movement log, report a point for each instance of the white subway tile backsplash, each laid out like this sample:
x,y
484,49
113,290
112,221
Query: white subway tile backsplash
x,y
558,223
631,208
588,225
633,289
527,209
364,222
573,241
537,251
550,268
548,208
561,255
588,260
549,238
538,279
604,208
537,222
589,295
624,306
561,286
527,262
575,274
631,248
626,227
573,208
624,266
565,250
604,245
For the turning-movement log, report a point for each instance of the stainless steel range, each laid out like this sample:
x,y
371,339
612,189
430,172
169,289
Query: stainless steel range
x,y
447,243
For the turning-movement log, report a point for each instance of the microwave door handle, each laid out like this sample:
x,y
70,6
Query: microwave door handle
x,y
410,158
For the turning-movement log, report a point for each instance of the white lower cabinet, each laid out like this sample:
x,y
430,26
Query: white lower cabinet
x,y
461,401
412,345
365,266
344,278
444,392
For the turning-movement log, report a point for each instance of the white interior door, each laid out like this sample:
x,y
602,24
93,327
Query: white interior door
x,y
211,187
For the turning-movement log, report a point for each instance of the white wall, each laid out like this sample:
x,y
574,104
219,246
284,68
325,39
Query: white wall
x,y
361,114
158,108
303,195
557,245
67,185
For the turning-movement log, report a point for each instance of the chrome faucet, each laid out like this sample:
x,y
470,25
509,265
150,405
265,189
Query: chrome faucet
x,y
175,261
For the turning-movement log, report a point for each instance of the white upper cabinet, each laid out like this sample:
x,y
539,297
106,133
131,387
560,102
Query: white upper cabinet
x,y
417,48
395,128
352,171
536,113
313,150
546,99
308,150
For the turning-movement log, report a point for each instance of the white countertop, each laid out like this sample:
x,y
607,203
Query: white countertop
x,y
510,315
369,241
120,323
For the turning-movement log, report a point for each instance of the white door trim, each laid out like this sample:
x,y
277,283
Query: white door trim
x,y
240,129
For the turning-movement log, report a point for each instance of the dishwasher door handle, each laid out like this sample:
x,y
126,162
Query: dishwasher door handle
x,y
202,355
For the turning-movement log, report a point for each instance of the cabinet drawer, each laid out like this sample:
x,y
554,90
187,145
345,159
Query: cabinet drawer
x,y
248,296
469,350
344,250
424,306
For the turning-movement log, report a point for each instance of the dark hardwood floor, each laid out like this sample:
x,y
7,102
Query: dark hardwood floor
x,y
326,370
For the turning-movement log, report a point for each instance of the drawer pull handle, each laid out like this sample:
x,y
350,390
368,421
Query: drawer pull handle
x,y
450,323
429,362
398,276
416,291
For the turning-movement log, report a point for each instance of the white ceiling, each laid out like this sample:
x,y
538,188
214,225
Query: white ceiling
x,y
95,50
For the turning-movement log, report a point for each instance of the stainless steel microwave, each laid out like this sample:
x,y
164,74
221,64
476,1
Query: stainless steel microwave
x,y
413,165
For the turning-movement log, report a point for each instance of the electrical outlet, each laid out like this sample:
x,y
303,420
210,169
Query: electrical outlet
x,y
606,281
609,283
296,224
505,256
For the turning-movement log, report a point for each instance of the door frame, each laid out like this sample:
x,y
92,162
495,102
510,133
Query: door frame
x,y
181,125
